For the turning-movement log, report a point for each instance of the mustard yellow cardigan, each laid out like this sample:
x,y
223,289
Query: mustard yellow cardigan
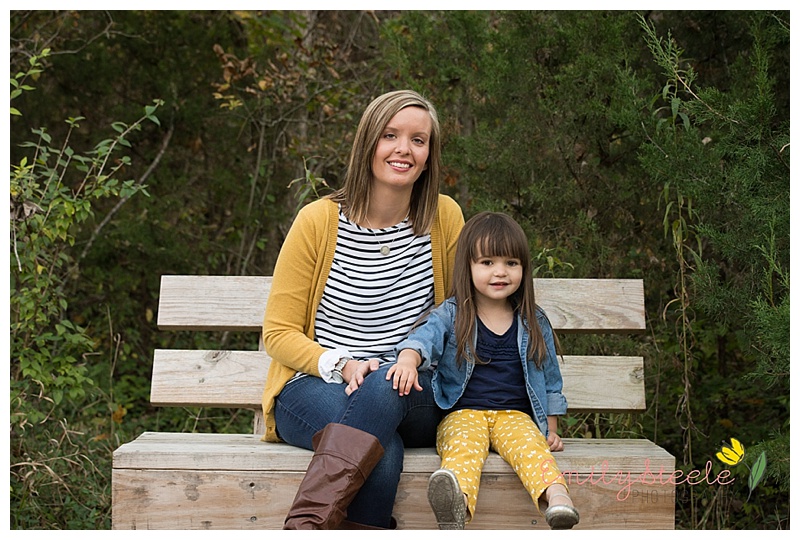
x,y
298,281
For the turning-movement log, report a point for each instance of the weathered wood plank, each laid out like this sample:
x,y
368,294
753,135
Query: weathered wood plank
x,y
236,379
234,303
237,303
592,305
214,500
183,378
244,452
238,482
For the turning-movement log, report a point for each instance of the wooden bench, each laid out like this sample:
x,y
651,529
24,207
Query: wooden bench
x,y
236,481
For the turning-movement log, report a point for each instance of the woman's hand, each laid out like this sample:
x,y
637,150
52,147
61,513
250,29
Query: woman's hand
x,y
354,373
404,373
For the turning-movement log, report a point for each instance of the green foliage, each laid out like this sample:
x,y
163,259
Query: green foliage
x,y
53,189
725,158
51,195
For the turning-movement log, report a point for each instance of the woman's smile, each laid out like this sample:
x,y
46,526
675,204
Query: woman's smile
x,y
402,150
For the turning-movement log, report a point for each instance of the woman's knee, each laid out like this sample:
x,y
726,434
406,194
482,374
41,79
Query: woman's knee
x,y
377,394
304,407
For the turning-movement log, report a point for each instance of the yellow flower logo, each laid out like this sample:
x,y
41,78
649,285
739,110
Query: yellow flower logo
x,y
731,454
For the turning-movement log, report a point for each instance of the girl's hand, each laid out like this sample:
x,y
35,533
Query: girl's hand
x,y
404,376
354,376
556,445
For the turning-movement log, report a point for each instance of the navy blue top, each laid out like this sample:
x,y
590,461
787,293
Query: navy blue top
x,y
498,383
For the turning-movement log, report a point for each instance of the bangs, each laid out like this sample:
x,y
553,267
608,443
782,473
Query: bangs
x,y
499,238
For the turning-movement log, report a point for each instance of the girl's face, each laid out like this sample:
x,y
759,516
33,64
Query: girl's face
x,y
402,151
495,278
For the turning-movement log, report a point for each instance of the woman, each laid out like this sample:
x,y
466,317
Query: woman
x,y
355,272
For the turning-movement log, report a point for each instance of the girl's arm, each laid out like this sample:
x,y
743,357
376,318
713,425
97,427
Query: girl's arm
x,y
404,372
429,338
556,402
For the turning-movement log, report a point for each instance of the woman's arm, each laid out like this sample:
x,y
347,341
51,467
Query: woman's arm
x,y
287,321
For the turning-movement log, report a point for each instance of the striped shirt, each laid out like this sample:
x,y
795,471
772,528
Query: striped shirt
x,y
372,300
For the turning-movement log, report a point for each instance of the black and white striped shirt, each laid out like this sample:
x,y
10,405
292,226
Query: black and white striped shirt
x,y
371,300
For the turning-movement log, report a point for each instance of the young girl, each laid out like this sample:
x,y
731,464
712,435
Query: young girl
x,y
497,375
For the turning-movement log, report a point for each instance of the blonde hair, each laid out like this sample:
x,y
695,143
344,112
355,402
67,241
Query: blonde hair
x,y
493,234
355,193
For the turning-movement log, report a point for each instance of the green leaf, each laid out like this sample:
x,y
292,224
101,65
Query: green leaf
x,y
685,118
758,471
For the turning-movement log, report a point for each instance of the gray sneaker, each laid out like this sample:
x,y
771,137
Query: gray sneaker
x,y
447,500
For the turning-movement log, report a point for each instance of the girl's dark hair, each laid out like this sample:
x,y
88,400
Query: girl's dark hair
x,y
493,234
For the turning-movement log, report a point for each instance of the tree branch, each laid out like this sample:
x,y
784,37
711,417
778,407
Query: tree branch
x,y
122,201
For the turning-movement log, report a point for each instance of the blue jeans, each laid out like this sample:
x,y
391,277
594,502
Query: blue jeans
x,y
307,405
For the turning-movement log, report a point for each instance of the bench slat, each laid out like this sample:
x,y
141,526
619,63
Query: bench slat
x,y
239,452
233,303
237,303
209,499
236,379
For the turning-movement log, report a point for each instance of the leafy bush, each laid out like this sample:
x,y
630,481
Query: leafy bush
x,y
52,190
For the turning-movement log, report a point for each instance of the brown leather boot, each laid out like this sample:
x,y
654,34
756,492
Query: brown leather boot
x,y
343,458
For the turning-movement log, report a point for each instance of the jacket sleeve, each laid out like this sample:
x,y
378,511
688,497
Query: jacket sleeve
x,y
287,328
430,338
556,402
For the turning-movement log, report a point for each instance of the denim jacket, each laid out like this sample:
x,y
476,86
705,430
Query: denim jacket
x,y
434,339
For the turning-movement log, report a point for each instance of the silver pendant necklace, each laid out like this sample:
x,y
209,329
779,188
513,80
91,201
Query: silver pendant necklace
x,y
384,249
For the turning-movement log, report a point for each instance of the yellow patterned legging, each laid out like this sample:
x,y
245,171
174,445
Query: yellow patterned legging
x,y
464,438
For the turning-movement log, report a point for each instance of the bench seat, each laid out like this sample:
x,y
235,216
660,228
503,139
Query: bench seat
x,y
217,481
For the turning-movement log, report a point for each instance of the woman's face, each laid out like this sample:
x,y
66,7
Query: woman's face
x,y
402,151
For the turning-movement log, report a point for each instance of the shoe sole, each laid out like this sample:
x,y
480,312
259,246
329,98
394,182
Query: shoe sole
x,y
446,500
562,517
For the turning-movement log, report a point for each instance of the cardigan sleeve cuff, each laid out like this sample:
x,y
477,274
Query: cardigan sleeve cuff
x,y
327,361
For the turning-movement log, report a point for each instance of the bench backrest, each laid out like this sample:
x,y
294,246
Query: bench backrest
x,y
223,378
